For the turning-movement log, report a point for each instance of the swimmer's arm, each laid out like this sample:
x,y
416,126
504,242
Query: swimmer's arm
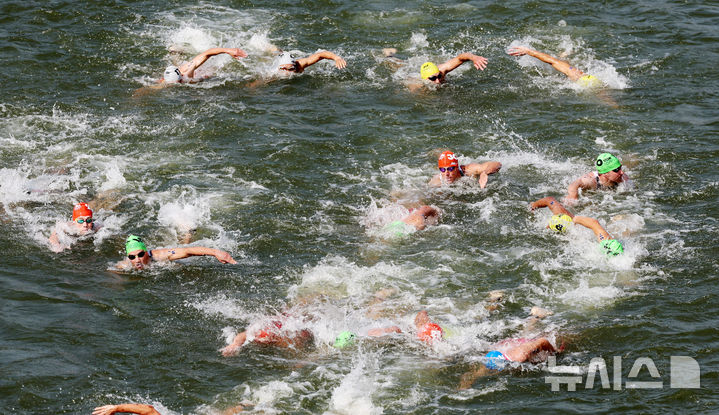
x,y
54,242
452,64
188,69
552,204
237,342
560,65
584,182
594,225
378,332
173,254
131,408
323,54
482,170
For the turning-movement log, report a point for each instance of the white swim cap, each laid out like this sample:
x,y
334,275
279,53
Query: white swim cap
x,y
285,58
172,74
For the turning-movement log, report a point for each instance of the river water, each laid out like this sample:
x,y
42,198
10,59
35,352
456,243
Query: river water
x,y
297,177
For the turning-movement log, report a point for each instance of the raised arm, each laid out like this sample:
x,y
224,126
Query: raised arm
x,y
173,254
452,64
316,57
560,65
552,204
131,408
594,225
188,69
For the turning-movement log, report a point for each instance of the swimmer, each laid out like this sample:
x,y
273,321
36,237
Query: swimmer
x,y
437,74
82,224
348,338
563,219
427,330
608,176
139,257
450,170
418,218
129,408
186,72
272,334
290,64
574,74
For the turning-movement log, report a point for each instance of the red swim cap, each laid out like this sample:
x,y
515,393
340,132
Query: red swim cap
x,y
447,159
269,329
430,332
81,209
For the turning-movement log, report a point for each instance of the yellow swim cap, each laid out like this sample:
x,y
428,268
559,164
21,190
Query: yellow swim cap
x,y
560,223
428,69
589,81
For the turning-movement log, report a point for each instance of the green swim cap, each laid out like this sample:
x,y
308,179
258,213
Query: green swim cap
x,y
560,223
133,243
396,229
607,162
344,339
611,247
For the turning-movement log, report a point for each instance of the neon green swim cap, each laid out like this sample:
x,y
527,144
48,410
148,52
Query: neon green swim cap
x,y
560,223
133,243
344,339
589,81
396,229
607,162
611,247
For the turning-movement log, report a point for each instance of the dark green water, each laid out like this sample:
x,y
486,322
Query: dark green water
x,y
296,177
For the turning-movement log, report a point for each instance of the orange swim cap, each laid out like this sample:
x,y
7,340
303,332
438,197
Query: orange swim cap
x,y
430,332
81,209
447,159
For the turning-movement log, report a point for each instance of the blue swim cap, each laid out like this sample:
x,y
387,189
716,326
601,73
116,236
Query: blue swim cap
x,y
495,360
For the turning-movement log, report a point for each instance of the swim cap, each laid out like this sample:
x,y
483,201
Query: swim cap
x,y
611,247
589,81
344,339
133,243
397,229
606,163
430,332
285,58
447,159
428,69
560,223
172,75
495,360
81,209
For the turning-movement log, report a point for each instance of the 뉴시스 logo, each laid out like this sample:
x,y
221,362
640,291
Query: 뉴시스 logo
x,y
684,373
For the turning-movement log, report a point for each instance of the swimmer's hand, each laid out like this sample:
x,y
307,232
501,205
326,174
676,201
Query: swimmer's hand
x,y
237,53
225,258
518,51
480,62
340,63
230,350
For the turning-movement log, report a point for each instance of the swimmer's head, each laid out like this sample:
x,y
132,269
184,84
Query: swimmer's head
x,y
447,159
429,70
134,243
589,81
611,247
396,229
172,75
430,332
495,360
81,210
287,61
560,223
344,339
606,163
